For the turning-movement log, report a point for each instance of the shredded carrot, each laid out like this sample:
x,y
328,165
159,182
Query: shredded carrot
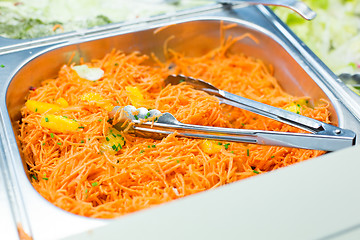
x,y
70,170
58,26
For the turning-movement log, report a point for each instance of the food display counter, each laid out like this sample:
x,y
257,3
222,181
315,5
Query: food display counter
x,y
314,199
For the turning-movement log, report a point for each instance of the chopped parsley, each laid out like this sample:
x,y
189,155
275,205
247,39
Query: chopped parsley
x,y
94,184
247,152
2,65
255,171
220,143
81,127
136,117
226,145
51,135
272,156
153,146
35,109
34,177
178,161
142,151
46,119
100,120
107,139
82,141
45,178
59,143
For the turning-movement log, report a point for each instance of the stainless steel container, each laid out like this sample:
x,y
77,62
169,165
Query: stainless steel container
x,y
297,69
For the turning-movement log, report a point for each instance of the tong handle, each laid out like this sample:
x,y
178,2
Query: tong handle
x,y
286,139
277,114
298,6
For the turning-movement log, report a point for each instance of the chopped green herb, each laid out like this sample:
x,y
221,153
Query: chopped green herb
x,y
146,117
107,139
86,190
65,117
81,127
148,114
99,120
149,146
45,178
43,144
116,64
298,105
156,119
109,120
307,101
247,152
170,157
94,184
118,135
136,117
119,146
149,109
74,120
182,80
220,143
113,135
46,119
243,124
153,146
82,141
142,151
114,147
59,143
178,161
2,65
232,151
226,145
255,171
51,135
35,109
34,177
272,156
297,112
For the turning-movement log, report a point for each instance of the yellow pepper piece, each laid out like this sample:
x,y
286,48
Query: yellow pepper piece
x,y
135,96
62,102
98,99
59,123
210,147
113,141
41,107
295,107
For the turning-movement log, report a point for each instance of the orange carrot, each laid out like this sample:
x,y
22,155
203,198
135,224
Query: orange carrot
x,y
72,171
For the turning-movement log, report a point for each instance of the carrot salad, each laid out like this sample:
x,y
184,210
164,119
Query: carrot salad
x,y
78,162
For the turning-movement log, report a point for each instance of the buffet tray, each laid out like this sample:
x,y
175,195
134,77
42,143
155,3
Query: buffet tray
x,y
298,70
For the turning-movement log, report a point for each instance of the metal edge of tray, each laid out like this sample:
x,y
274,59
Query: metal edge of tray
x,y
347,97
8,132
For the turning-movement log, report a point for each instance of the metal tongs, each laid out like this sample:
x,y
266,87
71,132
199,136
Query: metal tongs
x,y
322,136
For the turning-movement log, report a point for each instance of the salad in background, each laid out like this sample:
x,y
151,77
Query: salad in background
x,y
26,19
334,35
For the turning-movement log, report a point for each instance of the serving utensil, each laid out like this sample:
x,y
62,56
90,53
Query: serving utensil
x,y
298,6
322,137
352,81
